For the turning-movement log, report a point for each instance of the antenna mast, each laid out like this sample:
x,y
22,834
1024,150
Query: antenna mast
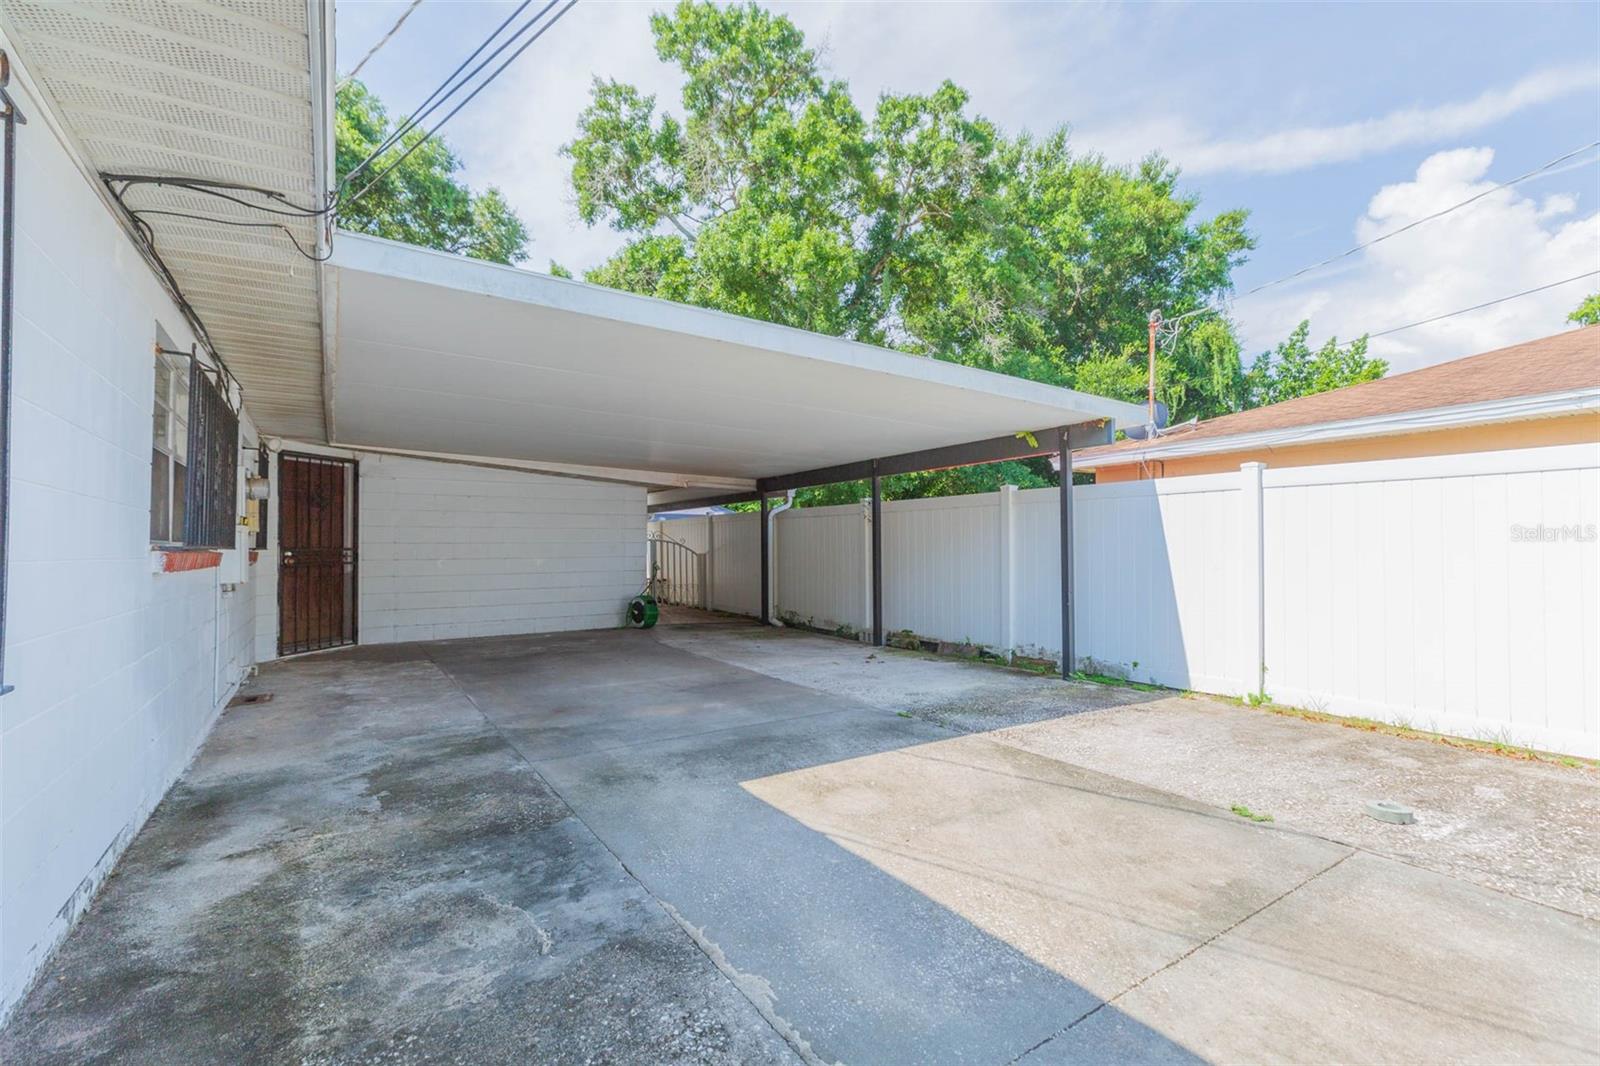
x,y
1155,325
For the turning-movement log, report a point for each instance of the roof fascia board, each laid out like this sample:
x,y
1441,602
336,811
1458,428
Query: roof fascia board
x,y
1489,412
389,258
994,450
670,502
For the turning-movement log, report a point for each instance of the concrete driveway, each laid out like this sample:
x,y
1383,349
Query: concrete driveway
x,y
738,845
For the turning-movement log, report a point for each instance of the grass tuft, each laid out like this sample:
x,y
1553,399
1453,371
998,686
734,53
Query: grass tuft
x,y
1245,812
1490,746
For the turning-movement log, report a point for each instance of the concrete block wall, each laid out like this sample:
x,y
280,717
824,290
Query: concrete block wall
x,y
450,550
119,671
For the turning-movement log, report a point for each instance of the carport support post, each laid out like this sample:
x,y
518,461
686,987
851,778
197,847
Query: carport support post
x,y
1069,656
709,561
766,565
877,557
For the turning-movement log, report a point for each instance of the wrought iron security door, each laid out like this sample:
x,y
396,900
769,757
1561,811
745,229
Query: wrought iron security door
x,y
316,553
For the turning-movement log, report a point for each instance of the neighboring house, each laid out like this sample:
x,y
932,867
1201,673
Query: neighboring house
x,y
1541,393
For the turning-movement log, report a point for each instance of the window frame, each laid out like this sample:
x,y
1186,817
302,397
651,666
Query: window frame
x,y
170,443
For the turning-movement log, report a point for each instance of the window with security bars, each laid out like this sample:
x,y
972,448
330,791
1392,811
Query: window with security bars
x,y
211,507
194,464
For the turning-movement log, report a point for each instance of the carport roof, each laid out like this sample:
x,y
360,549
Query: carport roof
x,y
435,353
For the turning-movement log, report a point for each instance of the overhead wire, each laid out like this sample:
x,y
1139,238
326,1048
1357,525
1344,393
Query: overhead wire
x,y
1486,303
1536,171
484,84
143,211
401,21
224,190
1425,218
221,190
147,248
441,94
434,99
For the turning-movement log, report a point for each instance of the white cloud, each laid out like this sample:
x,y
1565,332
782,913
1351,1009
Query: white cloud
x,y
1312,146
1507,242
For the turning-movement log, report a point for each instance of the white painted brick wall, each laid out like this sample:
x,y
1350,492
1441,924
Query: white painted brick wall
x,y
449,550
113,664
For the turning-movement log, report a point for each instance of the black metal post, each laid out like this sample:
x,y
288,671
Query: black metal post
x,y
766,566
877,557
1069,655
8,202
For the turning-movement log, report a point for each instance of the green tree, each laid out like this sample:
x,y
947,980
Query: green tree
x,y
1293,369
420,201
920,226
1588,312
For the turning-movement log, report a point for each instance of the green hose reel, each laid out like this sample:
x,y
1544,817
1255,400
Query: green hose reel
x,y
643,611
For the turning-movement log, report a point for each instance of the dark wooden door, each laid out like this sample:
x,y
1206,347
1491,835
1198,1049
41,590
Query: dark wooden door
x,y
316,553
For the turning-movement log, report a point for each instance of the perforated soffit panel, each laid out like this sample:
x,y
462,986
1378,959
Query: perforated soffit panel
x,y
205,90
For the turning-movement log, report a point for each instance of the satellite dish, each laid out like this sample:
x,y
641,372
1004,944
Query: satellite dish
x,y
1145,432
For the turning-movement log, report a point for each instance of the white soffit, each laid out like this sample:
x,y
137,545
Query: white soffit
x,y
438,353
227,92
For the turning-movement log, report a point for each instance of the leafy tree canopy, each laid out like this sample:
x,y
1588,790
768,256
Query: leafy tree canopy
x,y
1294,369
1588,312
920,225
420,201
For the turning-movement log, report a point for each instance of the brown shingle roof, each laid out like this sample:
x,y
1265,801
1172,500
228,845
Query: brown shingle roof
x,y
1561,363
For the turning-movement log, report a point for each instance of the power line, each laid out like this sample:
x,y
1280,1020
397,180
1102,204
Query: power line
x,y
1486,303
434,99
143,211
1425,218
1395,232
469,97
222,190
381,42
225,190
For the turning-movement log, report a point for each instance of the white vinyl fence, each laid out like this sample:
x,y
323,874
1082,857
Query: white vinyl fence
x,y
1452,593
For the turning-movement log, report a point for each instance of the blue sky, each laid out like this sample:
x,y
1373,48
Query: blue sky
x,y
1330,123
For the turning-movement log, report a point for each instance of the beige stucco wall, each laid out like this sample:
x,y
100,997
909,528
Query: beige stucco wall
x,y
1568,429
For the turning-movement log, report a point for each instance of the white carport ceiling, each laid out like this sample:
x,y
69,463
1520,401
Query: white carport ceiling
x,y
226,92
437,353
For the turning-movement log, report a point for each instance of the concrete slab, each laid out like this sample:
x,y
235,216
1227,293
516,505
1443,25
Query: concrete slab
x,y
674,847
613,689
865,967
965,696
1514,826
1520,827
1038,853
364,870
1374,961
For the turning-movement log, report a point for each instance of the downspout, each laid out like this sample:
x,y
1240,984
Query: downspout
x,y
772,558
12,119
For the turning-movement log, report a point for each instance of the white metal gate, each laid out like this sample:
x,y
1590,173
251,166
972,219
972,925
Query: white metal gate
x,y
677,572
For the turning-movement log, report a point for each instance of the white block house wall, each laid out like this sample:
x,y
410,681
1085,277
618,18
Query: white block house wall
x,y
119,671
448,550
